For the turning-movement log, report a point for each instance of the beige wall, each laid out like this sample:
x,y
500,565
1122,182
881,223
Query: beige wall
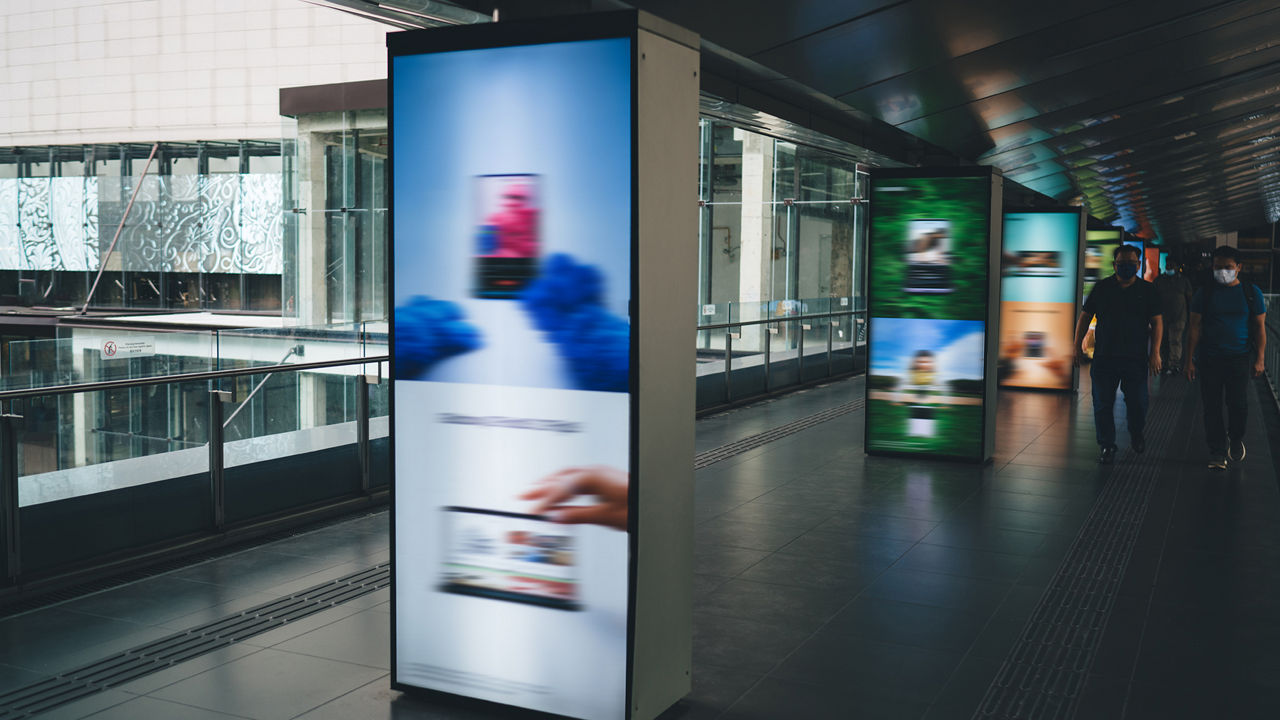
x,y
84,71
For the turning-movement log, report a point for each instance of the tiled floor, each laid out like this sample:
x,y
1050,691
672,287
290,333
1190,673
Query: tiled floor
x,y
829,585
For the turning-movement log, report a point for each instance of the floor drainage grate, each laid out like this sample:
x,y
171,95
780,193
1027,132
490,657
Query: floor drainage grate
x,y
737,447
1046,668
157,655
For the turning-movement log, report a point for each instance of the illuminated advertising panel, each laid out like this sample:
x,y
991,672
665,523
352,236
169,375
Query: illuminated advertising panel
x,y
1098,249
1151,263
930,303
1040,284
512,415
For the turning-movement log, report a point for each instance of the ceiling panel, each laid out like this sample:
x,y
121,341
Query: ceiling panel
x,y
1160,115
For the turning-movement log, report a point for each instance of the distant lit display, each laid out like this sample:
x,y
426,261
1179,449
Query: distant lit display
x,y
1098,249
512,401
1039,285
930,244
1151,267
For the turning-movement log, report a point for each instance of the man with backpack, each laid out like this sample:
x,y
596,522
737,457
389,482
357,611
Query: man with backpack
x,y
1228,328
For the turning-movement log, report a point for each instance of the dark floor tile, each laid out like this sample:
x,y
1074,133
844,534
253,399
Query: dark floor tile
x,y
255,569
715,689
862,521
975,535
154,600
965,689
799,608
762,513
867,550
1103,697
712,559
949,591
776,698
361,639
842,575
53,640
741,644
12,678
753,536
895,622
145,707
1118,647
269,684
1006,624
963,561
870,668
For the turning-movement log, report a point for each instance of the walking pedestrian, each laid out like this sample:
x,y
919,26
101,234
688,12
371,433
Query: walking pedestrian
x,y
1227,342
1126,348
1175,295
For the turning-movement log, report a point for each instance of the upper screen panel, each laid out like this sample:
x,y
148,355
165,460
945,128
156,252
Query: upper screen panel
x,y
1040,252
513,226
929,247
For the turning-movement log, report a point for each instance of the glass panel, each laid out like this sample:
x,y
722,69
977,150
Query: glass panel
x,y
125,470
290,441
784,368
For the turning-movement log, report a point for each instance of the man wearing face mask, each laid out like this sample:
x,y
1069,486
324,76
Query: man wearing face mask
x,y
1228,329
1126,348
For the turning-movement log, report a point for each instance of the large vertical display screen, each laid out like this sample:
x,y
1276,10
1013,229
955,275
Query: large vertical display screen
x,y
930,250
1098,248
513,230
1039,285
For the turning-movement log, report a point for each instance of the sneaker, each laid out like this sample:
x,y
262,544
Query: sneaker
x,y
1236,452
1139,444
1217,462
1108,455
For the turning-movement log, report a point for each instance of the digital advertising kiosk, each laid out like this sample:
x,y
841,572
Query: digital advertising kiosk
x,y
543,184
934,311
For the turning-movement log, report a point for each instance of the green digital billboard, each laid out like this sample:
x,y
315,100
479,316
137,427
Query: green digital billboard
x,y
930,303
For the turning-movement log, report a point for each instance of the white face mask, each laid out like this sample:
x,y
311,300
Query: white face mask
x,y
1224,276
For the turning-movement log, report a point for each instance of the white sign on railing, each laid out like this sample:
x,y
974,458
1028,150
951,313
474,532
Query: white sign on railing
x,y
119,348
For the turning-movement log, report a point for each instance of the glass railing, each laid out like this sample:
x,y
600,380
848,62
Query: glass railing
x,y
746,350
186,439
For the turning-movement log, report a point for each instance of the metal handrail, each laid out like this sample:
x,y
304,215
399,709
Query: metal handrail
x,y
783,318
185,377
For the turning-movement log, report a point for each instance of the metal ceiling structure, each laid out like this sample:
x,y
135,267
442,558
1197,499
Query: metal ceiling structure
x,y
1162,116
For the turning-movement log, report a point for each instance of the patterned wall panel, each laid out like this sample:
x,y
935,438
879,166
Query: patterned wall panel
x,y
221,223
35,225
261,249
75,219
10,240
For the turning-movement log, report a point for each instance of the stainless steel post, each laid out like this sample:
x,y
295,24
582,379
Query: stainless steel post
x,y
217,477
362,432
9,495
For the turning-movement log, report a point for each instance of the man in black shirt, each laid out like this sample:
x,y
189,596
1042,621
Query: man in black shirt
x,y
1126,348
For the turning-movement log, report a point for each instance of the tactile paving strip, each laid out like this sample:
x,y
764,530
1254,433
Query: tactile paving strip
x,y
737,447
1046,668
157,655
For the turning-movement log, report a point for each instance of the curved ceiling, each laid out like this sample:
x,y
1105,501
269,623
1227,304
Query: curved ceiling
x,y
1159,115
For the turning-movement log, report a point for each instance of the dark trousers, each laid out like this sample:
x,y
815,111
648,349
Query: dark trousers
x,y
1130,375
1227,376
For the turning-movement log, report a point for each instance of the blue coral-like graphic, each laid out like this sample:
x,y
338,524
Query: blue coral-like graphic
x,y
566,302
428,331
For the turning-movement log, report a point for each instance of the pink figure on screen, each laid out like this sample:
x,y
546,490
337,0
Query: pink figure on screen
x,y
516,223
